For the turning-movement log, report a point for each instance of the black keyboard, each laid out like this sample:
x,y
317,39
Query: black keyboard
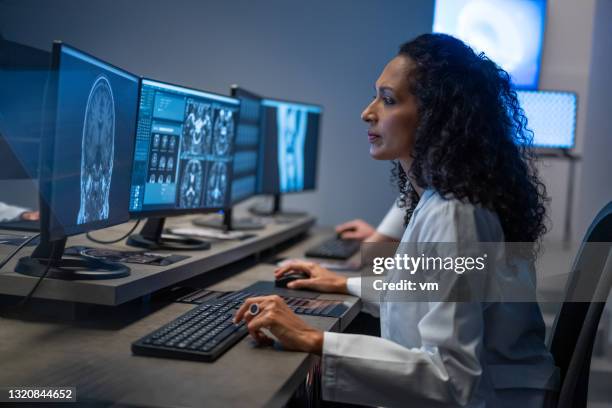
x,y
203,333
300,305
207,331
335,248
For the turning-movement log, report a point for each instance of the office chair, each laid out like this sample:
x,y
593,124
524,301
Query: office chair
x,y
576,325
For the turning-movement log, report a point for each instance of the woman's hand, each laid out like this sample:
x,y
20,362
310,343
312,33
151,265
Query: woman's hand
x,y
274,315
30,216
355,229
320,279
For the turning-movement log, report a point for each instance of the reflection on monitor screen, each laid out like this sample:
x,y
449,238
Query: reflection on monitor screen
x,y
93,142
291,131
551,116
510,32
184,149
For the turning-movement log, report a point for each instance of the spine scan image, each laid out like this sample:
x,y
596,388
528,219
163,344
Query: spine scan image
x,y
197,133
97,152
191,184
291,123
224,132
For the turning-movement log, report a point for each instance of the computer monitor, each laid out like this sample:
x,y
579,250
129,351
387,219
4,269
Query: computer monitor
x,y
551,115
246,162
86,159
510,32
182,159
246,159
289,148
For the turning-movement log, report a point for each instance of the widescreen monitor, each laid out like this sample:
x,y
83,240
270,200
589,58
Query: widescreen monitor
x,y
85,162
551,115
88,152
184,150
289,146
509,32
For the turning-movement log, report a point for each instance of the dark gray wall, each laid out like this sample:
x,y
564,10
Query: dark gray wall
x,y
323,51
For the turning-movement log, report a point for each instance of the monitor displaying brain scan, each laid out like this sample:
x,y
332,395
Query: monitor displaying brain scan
x,y
551,116
184,149
291,134
88,168
509,32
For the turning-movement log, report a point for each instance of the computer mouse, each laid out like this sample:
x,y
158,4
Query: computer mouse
x,y
290,277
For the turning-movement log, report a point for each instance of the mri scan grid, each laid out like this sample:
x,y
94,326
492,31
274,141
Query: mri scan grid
x,y
188,144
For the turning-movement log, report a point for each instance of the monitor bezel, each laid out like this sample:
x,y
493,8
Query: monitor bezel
x,y
180,211
50,226
544,149
318,150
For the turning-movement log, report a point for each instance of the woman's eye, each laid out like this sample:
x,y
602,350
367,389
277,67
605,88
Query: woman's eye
x,y
388,101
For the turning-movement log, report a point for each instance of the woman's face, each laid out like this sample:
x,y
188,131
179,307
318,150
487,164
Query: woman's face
x,y
392,115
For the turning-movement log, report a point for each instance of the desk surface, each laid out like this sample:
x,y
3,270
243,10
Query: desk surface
x,y
145,279
93,354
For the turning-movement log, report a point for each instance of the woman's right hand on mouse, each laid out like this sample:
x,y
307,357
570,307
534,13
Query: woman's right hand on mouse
x,y
321,279
355,229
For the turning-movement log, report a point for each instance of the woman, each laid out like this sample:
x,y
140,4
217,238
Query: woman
x,y
452,121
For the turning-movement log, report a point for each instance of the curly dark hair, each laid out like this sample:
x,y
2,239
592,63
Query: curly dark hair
x,y
472,141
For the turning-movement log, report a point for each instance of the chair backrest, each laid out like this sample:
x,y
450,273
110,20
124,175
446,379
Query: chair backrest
x,y
576,325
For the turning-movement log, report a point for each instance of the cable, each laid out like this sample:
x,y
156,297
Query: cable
x,y
29,295
114,241
12,254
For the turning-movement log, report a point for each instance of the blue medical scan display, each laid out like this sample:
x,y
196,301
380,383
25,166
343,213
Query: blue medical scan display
x,y
184,149
551,115
244,180
509,32
93,143
291,134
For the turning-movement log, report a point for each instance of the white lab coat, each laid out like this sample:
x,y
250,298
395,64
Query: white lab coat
x,y
443,354
392,224
10,212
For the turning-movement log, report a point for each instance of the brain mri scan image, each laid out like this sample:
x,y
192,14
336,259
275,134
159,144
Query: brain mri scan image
x,y
291,123
224,132
97,152
197,129
191,184
170,165
160,178
162,163
172,143
154,160
156,141
164,143
152,178
216,186
168,179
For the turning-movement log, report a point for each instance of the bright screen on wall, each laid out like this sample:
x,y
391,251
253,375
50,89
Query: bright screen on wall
x,y
551,115
510,32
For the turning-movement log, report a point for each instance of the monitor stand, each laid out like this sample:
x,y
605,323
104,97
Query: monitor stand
x,y
150,237
228,223
48,257
265,211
